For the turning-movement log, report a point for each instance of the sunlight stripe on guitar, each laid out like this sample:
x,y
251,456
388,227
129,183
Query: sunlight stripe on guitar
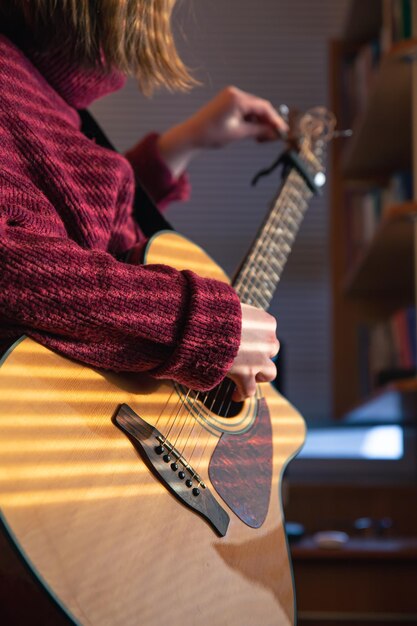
x,y
71,469
47,371
23,422
200,268
36,396
13,446
26,499
285,440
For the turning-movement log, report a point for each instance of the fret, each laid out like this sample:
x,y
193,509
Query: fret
x,y
262,276
261,272
258,257
252,294
278,233
274,243
255,292
274,265
273,246
253,267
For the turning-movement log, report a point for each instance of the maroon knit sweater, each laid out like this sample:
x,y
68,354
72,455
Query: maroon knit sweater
x,y
65,218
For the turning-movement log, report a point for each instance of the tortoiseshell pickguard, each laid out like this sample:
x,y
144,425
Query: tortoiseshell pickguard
x,y
240,469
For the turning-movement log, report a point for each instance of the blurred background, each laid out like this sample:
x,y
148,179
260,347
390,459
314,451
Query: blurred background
x,y
346,302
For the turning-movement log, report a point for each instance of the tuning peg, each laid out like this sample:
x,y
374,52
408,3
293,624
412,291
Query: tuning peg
x,y
342,133
284,112
320,179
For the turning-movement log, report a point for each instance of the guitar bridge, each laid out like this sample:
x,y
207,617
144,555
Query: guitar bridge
x,y
169,466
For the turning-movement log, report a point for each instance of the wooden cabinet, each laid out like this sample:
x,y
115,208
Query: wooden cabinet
x,y
372,284
367,581
372,578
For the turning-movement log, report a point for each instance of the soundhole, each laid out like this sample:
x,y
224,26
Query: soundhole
x,y
219,400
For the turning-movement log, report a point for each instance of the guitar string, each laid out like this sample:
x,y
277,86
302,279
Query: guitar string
x,y
277,214
253,254
180,404
145,433
257,257
257,253
296,209
283,207
184,424
280,213
163,410
208,439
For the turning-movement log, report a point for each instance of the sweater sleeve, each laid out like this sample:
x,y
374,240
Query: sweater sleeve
x,y
152,172
90,307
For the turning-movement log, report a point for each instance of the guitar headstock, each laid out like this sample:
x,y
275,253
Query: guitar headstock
x,y
306,145
311,133
318,125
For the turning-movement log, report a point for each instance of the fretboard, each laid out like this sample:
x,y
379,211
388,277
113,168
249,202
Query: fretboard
x,y
261,272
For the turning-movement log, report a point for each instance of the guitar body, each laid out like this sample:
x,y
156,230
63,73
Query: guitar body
x,y
101,532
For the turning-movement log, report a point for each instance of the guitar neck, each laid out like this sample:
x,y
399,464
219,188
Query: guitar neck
x,y
261,271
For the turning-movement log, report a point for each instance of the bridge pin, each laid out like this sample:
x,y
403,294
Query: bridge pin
x,y
159,449
189,483
181,475
166,458
196,492
174,467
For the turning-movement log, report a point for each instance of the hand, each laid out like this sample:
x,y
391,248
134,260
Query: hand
x,y
257,346
231,116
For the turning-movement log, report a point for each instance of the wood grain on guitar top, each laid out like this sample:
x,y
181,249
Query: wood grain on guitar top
x,y
101,532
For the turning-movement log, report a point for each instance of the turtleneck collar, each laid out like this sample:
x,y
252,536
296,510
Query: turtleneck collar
x,y
78,86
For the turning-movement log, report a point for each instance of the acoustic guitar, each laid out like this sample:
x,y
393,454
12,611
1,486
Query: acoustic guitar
x,y
129,501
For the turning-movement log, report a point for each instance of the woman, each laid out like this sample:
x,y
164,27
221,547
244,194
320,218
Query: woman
x,y
66,203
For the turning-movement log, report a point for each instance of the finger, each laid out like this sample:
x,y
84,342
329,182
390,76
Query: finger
x,y
267,374
237,396
261,132
265,113
261,378
249,387
268,136
238,393
245,387
275,349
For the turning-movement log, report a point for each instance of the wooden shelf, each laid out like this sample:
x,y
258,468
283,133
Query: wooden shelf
x,y
385,268
381,141
357,548
364,20
381,278
368,581
396,402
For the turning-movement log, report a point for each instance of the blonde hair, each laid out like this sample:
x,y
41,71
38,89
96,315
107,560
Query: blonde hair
x,y
133,36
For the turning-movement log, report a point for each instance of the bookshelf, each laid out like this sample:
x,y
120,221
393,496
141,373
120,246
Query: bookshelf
x,y
374,271
381,140
394,403
364,20
378,279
